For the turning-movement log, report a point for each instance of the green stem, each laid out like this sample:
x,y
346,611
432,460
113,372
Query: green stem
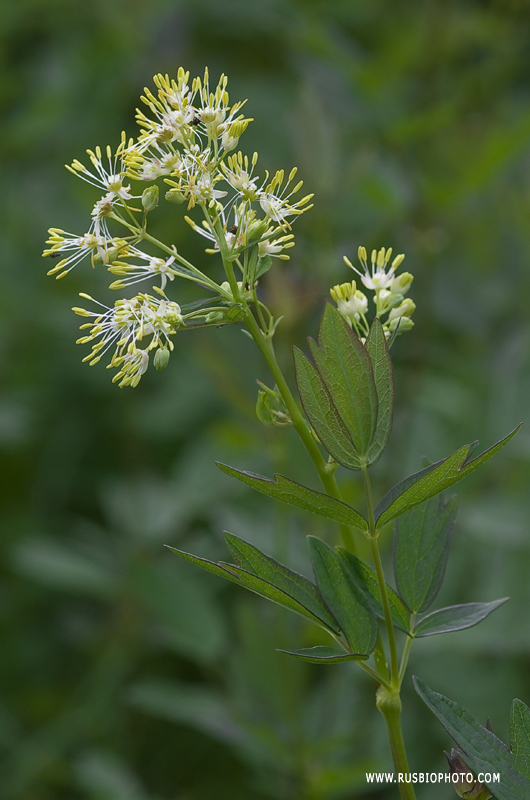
x,y
388,698
380,661
328,480
264,343
141,233
405,658
373,535
375,674
389,704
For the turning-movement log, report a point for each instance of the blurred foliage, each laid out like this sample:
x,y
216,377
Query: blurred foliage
x,y
126,675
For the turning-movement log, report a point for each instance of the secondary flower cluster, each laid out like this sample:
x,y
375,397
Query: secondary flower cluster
x,y
388,290
187,139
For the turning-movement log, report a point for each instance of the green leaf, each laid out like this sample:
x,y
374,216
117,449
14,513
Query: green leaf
x,y
297,586
520,736
343,598
346,370
252,582
484,752
297,495
324,655
421,547
433,479
366,579
322,413
383,372
455,618
264,265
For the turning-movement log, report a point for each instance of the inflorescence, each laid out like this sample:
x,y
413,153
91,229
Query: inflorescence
x,y
188,140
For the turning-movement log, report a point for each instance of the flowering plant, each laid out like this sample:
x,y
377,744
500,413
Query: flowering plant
x,y
188,146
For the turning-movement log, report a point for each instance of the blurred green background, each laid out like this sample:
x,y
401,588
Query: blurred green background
x,y
125,674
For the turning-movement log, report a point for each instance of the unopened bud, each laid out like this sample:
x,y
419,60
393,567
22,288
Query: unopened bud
x,y
161,358
175,196
150,198
464,782
235,313
404,309
394,300
256,229
215,317
402,283
263,408
402,323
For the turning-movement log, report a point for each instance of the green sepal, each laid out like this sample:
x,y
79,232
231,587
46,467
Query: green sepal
x,y
287,580
346,369
383,372
483,751
324,655
322,412
434,479
455,618
295,494
343,598
520,736
254,584
366,579
421,547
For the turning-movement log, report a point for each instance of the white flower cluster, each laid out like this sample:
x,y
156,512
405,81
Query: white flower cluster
x,y
123,327
187,144
388,293
186,140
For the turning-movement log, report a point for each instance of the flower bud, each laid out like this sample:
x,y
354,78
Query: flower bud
x,y
235,313
175,196
263,408
402,283
394,300
464,782
404,324
256,229
405,309
161,358
270,408
150,198
215,318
